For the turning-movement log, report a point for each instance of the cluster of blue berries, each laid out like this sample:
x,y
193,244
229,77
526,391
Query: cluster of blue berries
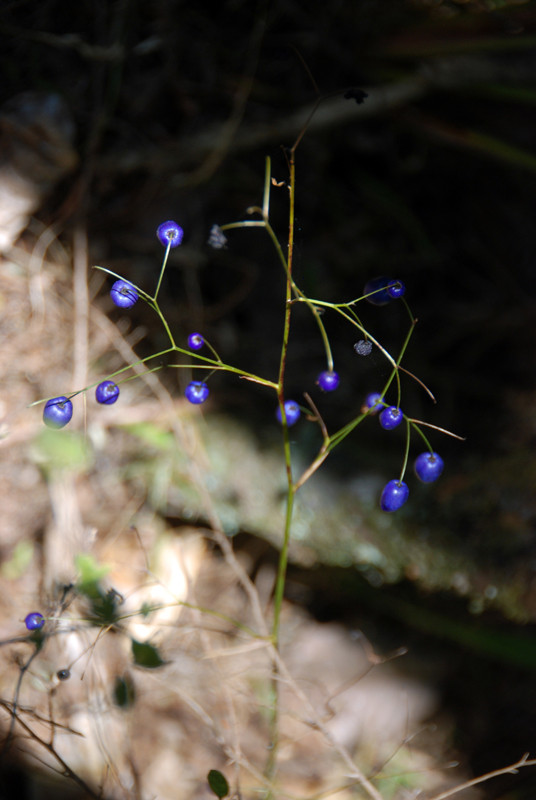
x,y
196,392
58,411
429,465
328,381
125,295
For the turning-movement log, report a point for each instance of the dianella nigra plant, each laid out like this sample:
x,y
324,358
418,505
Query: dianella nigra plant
x,y
196,353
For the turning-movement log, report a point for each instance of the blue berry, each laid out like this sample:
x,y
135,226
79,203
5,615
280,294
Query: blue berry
x,y
292,412
428,467
34,621
195,341
107,392
328,381
63,674
373,403
394,495
58,412
396,290
170,233
391,417
378,286
196,392
123,294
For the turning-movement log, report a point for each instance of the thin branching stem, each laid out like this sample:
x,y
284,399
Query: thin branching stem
x,y
65,768
512,769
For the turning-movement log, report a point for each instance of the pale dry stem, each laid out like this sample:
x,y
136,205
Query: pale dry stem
x,y
524,761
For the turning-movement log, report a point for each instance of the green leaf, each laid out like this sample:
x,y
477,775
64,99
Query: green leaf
x,y
146,655
91,572
124,691
151,434
104,602
146,609
21,558
218,783
62,450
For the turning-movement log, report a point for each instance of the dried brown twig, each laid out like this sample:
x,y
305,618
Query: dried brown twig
x,y
524,761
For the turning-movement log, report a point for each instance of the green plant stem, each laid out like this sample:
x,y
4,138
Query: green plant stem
x,y
295,289
213,351
162,270
156,307
215,367
343,432
235,623
265,223
271,764
425,438
406,452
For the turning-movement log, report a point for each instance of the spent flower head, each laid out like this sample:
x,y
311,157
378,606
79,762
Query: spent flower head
x,y
217,238
363,347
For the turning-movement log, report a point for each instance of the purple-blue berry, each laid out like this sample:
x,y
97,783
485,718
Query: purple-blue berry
x,y
378,286
384,289
58,412
34,621
373,403
292,412
196,392
328,381
195,341
394,495
107,393
397,289
123,294
391,417
169,233
428,467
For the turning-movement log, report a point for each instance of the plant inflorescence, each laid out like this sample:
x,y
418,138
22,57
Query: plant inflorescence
x,y
379,291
